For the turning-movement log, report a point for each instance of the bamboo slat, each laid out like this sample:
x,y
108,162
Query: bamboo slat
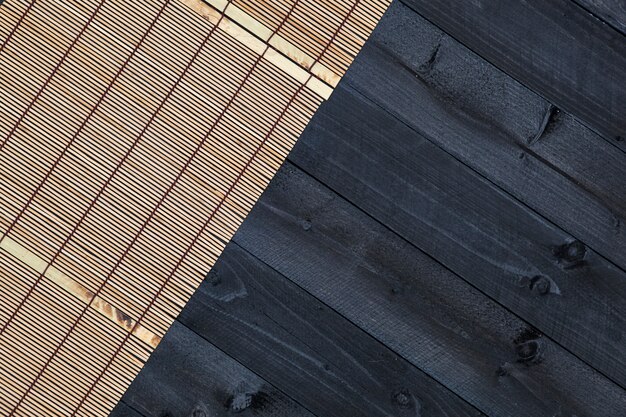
x,y
135,136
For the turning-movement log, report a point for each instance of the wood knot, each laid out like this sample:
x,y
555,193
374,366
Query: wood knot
x,y
243,399
530,351
540,284
403,399
239,402
529,346
504,369
572,254
306,225
199,411
548,123
213,278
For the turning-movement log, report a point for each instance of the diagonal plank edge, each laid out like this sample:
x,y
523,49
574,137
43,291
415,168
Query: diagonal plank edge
x,y
417,307
305,348
542,44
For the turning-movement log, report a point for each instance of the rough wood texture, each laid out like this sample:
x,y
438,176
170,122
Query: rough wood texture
x,y
473,111
612,12
484,235
187,375
306,349
415,306
555,48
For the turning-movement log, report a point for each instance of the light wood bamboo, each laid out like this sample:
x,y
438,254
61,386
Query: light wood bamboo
x,y
135,137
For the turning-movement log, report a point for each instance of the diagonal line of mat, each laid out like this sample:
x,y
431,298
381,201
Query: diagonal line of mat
x,y
137,138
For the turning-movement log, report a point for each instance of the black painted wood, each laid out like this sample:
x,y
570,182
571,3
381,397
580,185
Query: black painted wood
x,y
486,119
415,306
306,349
554,47
612,12
469,225
187,376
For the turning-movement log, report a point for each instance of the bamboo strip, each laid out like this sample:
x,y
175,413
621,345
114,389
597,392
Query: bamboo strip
x,y
79,291
136,138
248,30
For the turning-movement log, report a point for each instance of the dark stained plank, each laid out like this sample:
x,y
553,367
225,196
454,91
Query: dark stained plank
x,y
498,245
307,350
187,376
484,118
122,410
612,12
415,306
554,47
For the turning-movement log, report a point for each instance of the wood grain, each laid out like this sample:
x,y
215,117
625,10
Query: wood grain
x,y
472,227
187,375
611,11
306,349
418,308
486,120
555,48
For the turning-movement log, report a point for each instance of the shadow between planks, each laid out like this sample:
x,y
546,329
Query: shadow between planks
x,y
609,11
493,124
501,237
187,376
305,349
556,48
419,309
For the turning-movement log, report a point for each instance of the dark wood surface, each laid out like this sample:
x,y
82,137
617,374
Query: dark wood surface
x,y
447,238
482,234
473,111
554,47
417,307
188,376
612,12
307,349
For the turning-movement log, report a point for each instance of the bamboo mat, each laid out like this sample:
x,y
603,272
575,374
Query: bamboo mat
x,y
135,136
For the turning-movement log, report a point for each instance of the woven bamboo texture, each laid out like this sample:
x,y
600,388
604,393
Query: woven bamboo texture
x,y
135,136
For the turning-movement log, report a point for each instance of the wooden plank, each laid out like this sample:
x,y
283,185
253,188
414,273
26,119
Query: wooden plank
x,y
419,309
486,119
555,48
469,225
306,349
611,11
187,375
